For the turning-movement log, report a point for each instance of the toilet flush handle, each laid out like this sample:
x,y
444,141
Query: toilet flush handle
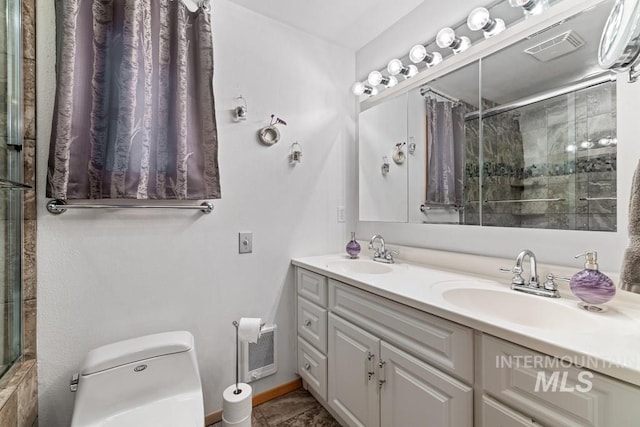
x,y
73,384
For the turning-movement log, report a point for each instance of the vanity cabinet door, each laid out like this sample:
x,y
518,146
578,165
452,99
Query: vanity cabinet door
x,y
494,414
353,383
415,393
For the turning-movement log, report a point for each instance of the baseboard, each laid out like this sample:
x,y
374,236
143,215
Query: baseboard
x,y
259,399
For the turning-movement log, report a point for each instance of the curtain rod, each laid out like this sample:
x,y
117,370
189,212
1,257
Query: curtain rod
x,y
572,87
58,206
428,89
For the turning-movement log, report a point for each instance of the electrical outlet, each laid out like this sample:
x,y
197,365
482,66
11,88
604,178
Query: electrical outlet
x,y
341,214
245,243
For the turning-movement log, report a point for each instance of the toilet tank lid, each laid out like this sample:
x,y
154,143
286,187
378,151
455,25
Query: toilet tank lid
x,y
136,349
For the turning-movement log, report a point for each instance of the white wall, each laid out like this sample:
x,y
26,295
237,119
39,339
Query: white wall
x,y
551,246
105,276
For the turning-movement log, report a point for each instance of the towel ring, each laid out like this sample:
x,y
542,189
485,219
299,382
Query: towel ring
x,y
269,135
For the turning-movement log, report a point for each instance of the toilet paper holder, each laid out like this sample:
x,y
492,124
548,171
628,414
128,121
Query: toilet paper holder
x,y
236,324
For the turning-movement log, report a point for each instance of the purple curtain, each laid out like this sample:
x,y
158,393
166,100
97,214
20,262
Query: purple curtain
x,y
445,152
134,115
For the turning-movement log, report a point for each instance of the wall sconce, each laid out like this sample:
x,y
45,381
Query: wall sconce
x,y
395,67
419,54
480,19
295,156
530,7
375,78
446,38
385,166
360,88
241,109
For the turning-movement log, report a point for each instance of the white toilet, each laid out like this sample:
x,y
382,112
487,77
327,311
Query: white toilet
x,y
147,381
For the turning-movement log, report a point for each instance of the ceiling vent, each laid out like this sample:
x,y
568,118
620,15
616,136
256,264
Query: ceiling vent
x,y
558,46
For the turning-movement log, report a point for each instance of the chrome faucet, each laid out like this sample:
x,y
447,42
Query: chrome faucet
x,y
381,253
533,286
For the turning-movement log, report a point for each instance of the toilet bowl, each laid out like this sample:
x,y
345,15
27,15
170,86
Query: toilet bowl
x,y
146,381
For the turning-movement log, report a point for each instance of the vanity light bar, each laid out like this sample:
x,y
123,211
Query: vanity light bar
x,y
479,19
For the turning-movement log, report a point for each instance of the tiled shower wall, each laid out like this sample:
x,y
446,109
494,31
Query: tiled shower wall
x,y
19,387
563,148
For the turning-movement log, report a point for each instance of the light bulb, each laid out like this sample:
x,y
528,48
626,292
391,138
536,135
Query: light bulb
x,y
392,81
395,67
478,19
436,58
417,53
375,78
445,37
531,7
358,88
571,148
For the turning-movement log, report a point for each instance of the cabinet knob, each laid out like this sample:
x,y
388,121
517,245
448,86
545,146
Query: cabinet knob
x,y
307,323
307,366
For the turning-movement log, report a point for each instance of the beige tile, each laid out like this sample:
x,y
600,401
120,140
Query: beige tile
x,y
29,29
9,412
29,271
29,82
29,343
287,406
28,398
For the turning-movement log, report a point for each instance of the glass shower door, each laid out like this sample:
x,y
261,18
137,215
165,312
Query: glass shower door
x,y
11,196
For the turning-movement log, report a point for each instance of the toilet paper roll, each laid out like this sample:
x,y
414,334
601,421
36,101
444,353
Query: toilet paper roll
x,y
237,407
242,423
249,329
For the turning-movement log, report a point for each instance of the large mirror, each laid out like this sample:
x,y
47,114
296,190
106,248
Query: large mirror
x,y
526,137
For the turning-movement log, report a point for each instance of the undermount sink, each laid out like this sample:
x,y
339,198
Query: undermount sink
x,y
526,310
359,267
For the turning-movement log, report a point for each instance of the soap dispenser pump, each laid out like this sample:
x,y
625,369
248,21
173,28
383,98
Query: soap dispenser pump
x,y
592,286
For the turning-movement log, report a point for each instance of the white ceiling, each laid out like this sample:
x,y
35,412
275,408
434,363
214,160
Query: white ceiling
x,y
351,23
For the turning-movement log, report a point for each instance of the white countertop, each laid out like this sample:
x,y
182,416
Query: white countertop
x,y
606,342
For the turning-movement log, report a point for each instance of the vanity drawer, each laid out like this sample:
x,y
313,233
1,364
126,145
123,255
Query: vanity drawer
x,y
312,286
312,324
496,414
524,380
441,343
312,367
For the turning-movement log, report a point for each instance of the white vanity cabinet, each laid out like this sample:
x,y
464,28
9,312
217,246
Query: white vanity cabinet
x,y
312,329
374,362
551,392
375,381
380,363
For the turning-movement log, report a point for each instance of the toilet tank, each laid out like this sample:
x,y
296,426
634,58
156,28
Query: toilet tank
x,y
149,380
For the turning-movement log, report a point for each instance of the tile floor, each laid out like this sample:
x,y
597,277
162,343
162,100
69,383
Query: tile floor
x,y
295,409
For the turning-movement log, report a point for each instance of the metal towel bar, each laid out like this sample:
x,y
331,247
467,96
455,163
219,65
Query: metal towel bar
x,y
427,206
58,207
525,200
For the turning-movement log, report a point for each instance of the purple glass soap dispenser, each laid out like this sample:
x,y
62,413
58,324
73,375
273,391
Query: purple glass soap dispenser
x,y
353,247
592,286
